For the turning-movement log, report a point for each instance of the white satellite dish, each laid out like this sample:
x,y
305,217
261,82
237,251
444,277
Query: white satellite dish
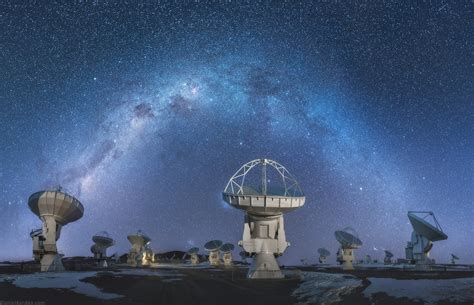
x,y
424,234
323,254
349,241
137,253
388,257
227,249
102,241
56,209
454,258
264,235
213,248
193,253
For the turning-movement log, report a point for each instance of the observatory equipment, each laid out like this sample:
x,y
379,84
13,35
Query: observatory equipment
x,y
213,247
56,209
227,249
193,253
264,232
102,241
148,255
243,256
454,258
323,254
424,234
368,259
137,253
349,241
388,257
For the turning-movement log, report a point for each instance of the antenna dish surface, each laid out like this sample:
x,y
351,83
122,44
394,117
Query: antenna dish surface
x,y
348,239
227,248
388,253
103,239
454,256
193,250
139,238
272,190
56,203
213,245
426,229
324,252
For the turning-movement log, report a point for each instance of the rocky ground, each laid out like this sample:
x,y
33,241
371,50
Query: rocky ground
x,y
171,284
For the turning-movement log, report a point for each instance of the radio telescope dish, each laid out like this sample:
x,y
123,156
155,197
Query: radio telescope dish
x,y
388,257
422,238
348,238
213,247
426,229
193,251
454,258
193,254
349,241
55,209
227,249
323,254
139,250
265,195
102,241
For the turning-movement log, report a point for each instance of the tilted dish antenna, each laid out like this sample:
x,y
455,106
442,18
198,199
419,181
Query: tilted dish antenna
x,y
349,241
55,208
424,234
264,200
213,247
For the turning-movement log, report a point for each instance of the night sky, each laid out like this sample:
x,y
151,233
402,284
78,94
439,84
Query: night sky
x,y
144,111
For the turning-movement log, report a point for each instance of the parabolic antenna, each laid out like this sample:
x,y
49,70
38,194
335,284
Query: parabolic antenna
x,y
103,239
56,209
349,241
265,190
424,228
139,238
324,252
193,254
454,256
424,233
138,251
193,251
227,248
388,254
213,245
348,238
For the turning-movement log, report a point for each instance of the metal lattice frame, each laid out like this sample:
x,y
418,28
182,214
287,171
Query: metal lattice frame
x,y
236,182
427,214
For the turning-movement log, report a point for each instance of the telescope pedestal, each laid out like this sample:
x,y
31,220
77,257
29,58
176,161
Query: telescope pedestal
x,y
227,258
51,263
265,237
345,257
214,258
264,266
194,259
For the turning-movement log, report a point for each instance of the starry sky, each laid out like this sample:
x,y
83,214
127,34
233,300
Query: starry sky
x,y
143,111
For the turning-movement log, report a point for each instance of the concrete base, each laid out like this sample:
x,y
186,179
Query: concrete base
x,y
52,263
264,266
103,263
346,257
